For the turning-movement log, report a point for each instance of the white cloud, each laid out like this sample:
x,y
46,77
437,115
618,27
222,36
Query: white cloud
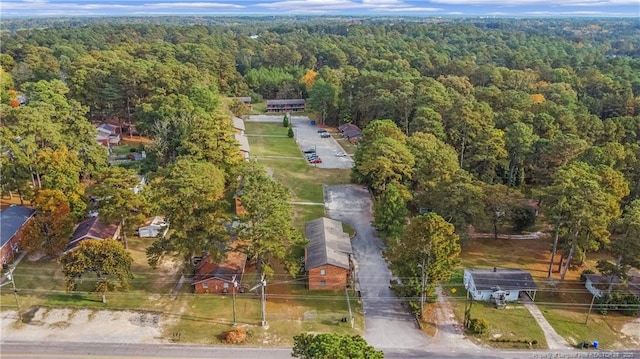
x,y
512,3
371,6
48,8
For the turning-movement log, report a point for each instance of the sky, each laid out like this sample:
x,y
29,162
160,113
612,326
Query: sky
x,y
429,8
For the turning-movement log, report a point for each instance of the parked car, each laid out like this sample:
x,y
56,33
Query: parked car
x,y
316,160
341,154
322,130
325,135
312,158
311,150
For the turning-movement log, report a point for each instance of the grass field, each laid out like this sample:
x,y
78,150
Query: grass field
x,y
513,323
289,166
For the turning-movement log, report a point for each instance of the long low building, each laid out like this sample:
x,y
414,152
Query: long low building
x,y
290,105
328,255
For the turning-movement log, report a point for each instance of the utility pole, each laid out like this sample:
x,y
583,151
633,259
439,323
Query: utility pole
x,y
593,299
263,300
264,303
15,291
346,291
233,296
421,266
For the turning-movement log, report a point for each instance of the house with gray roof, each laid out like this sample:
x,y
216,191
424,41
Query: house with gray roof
x,y
238,125
12,220
499,284
328,255
244,145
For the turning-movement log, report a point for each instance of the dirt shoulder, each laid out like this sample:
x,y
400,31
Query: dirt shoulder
x,y
83,325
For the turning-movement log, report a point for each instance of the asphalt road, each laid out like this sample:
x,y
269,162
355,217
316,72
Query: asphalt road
x,y
388,323
62,350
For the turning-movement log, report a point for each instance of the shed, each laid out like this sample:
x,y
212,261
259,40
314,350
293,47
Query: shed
x,y
328,255
153,227
499,283
350,131
12,220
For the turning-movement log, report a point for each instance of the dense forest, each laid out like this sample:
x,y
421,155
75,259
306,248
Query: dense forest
x,y
480,114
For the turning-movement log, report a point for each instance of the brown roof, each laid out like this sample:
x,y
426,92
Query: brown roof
x,y
91,228
232,264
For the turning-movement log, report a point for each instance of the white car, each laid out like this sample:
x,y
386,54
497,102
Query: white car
x,y
341,154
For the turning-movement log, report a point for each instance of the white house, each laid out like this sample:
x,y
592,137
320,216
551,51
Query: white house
x,y
598,285
153,227
499,284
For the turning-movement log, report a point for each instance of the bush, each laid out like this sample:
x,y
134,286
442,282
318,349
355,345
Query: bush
x,y
285,121
290,133
523,217
235,336
583,275
478,326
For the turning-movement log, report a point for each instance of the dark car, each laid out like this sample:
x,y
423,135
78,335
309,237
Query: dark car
x,y
311,150
322,130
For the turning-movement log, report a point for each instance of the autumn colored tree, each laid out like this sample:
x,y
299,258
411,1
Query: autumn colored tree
x,y
51,227
107,259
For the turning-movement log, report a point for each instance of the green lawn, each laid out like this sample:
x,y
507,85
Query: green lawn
x,y
304,181
513,323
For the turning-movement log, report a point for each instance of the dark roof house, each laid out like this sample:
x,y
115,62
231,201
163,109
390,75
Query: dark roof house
x,y
12,219
92,228
484,283
328,244
350,130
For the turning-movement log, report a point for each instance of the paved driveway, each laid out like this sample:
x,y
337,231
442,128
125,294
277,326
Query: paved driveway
x,y
388,324
307,137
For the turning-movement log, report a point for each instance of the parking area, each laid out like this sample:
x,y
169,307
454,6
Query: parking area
x,y
308,137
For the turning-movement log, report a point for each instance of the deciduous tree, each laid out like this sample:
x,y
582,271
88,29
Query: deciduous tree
x,y
107,259
428,245
189,193
332,346
266,224
118,201
51,227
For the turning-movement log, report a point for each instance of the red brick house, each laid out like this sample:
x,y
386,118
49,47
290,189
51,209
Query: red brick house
x,y
328,255
12,221
92,228
217,276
